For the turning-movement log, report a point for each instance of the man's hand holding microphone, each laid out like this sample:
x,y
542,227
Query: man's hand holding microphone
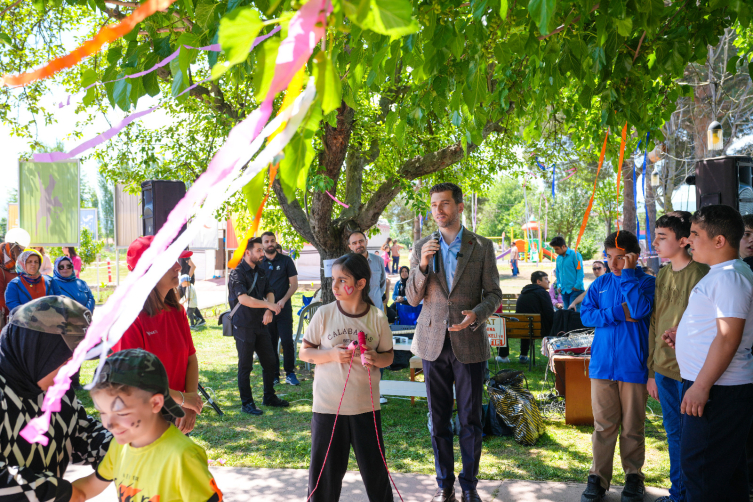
x,y
428,253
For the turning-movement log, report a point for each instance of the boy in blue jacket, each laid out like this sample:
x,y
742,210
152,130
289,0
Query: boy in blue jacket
x,y
619,306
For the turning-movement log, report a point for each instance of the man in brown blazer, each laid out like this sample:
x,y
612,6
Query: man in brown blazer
x,y
454,272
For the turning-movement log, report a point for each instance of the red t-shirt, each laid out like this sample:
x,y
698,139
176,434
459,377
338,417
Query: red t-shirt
x,y
166,335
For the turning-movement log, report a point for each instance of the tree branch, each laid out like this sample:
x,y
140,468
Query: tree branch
x,y
415,168
295,214
355,162
9,7
564,27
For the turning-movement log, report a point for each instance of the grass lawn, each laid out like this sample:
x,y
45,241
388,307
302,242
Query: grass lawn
x,y
281,437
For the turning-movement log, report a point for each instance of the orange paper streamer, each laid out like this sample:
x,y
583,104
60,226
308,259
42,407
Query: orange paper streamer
x,y
292,92
593,193
106,35
619,178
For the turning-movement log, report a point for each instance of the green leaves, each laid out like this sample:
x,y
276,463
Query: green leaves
x,y
624,26
206,10
328,84
264,71
475,87
387,17
299,153
254,191
542,11
238,30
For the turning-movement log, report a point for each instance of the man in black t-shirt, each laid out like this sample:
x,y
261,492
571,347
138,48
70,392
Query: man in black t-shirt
x,y
283,278
249,285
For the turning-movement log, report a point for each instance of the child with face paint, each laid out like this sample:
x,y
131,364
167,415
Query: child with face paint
x,y
149,456
325,344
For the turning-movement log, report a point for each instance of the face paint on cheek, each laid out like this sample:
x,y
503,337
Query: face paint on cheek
x,y
117,404
349,290
138,422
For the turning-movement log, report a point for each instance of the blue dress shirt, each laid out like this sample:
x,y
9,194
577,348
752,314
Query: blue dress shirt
x,y
450,256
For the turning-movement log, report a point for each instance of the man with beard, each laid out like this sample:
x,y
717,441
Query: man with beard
x,y
249,286
454,272
283,278
358,243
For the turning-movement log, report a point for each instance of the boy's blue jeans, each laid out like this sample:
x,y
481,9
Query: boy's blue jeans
x,y
670,396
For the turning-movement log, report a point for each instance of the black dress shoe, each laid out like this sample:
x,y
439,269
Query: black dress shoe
x,y
276,402
445,495
470,496
251,409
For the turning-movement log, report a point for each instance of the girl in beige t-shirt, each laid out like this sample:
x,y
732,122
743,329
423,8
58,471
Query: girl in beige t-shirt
x,y
325,344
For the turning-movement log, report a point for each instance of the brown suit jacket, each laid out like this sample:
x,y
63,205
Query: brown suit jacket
x,y
476,287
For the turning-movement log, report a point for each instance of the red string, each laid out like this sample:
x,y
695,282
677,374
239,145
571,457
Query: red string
x,y
333,429
376,430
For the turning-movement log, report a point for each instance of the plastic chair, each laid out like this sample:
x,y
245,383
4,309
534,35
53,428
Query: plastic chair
x,y
407,315
306,301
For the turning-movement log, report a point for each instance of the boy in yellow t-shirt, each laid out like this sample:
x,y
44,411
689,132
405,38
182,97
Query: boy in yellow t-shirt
x,y
150,459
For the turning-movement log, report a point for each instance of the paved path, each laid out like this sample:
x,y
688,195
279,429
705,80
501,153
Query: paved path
x,y
241,484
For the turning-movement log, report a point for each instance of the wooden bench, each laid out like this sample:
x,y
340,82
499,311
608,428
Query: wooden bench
x,y
509,300
527,326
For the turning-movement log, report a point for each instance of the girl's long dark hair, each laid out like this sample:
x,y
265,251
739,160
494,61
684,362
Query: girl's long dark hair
x,y
356,266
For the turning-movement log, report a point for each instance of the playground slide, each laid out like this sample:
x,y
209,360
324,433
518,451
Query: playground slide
x,y
504,254
549,254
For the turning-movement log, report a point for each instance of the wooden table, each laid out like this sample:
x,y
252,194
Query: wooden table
x,y
572,381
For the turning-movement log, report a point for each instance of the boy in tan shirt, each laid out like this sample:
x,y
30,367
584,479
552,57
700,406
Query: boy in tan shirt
x,y
674,283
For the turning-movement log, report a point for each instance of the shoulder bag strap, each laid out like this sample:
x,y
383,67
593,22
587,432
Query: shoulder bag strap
x,y
232,312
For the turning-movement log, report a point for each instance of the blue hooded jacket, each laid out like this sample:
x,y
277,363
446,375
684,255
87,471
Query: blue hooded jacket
x,y
620,349
73,288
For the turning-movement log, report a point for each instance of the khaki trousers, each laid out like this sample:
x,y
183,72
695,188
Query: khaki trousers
x,y
618,404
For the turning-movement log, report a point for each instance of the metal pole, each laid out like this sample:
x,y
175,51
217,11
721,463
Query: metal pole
x,y
528,233
99,297
117,267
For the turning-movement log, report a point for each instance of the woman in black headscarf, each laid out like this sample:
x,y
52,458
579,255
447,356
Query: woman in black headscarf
x,y
39,339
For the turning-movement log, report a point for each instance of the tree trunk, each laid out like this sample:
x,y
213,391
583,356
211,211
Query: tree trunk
x,y
329,254
653,260
416,229
651,205
608,225
628,204
668,176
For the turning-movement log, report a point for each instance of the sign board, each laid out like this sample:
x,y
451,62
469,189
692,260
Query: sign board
x,y
13,216
496,331
48,195
328,267
206,238
87,218
127,217
231,240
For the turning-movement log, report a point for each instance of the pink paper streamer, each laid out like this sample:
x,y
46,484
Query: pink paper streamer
x,y
335,199
306,29
210,48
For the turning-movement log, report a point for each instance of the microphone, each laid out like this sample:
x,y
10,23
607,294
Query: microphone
x,y
362,345
436,237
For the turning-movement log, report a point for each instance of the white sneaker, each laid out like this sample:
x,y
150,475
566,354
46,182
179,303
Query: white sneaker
x,y
501,359
382,399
